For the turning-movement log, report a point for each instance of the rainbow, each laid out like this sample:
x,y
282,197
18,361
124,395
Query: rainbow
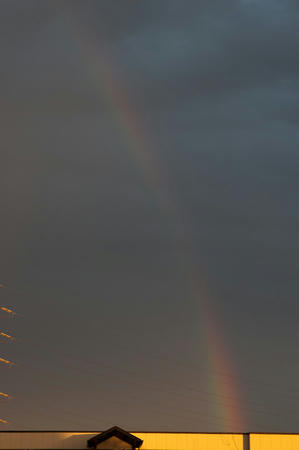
x,y
229,408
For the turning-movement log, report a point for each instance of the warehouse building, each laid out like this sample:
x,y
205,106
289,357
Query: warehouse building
x,y
116,438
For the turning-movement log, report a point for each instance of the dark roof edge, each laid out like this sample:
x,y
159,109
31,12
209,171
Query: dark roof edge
x,y
156,431
118,432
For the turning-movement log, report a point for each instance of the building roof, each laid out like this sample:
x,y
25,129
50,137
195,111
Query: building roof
x,y
116,432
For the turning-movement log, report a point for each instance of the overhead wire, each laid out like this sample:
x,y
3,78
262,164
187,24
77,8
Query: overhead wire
x,y
192,367
180,387
162,390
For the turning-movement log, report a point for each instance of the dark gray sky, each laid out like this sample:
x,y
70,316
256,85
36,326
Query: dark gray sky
x,y
97,250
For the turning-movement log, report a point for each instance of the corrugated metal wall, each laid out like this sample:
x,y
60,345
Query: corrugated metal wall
x,y
274,441
152,441
190,441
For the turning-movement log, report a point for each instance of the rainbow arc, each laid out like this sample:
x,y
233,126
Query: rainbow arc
x,y
105,79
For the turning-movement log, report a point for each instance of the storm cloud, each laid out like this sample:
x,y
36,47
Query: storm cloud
x,y
89,255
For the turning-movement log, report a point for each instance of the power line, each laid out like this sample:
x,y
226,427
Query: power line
x,y
177,387
192,390
216,397
191,367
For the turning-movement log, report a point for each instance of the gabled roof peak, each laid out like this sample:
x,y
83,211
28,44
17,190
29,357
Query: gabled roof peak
x,y
118,432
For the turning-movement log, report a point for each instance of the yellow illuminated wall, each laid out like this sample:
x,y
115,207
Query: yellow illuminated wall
x,y
151,441
274,442
190,441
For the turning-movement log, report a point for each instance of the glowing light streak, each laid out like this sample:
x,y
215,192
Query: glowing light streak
x,y
5,361
2,394
9,311
7,336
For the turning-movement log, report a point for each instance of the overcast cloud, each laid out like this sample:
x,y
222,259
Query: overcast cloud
x,y
89,252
